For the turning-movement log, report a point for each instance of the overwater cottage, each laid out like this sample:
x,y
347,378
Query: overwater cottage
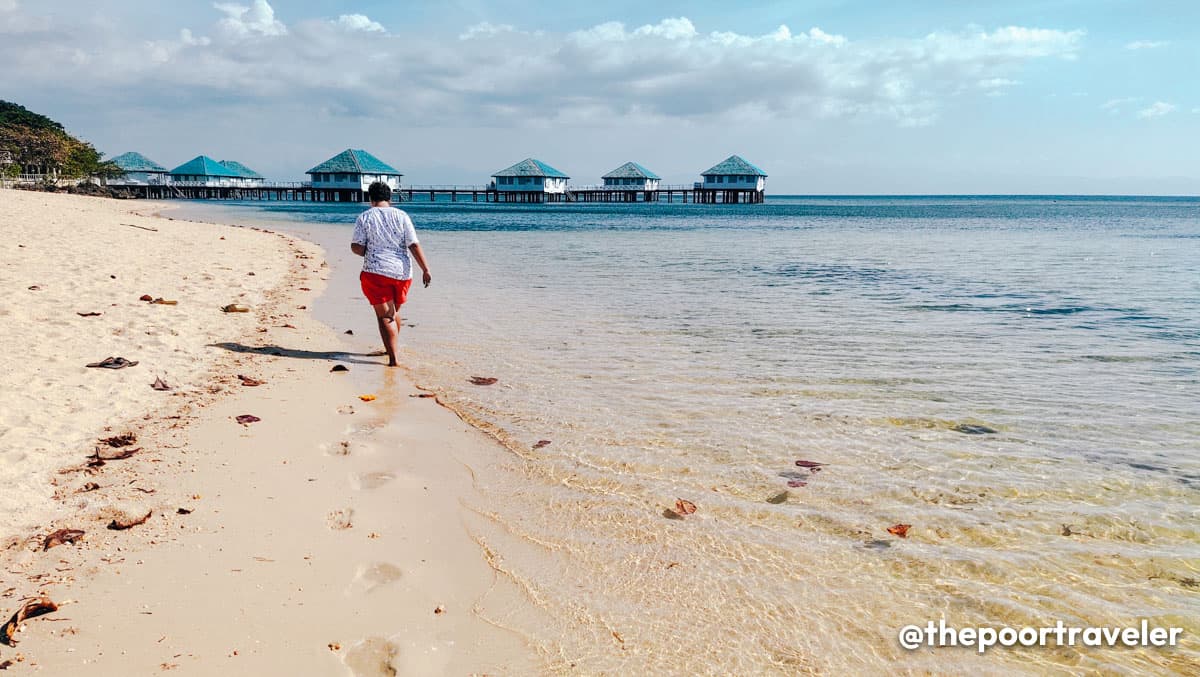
x,y
353,170
531,176
139,170
631,176
204,171
246,177
734,174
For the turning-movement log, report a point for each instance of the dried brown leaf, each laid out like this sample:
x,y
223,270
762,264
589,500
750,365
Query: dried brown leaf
x,y
31,609
62,536
684,507
129,522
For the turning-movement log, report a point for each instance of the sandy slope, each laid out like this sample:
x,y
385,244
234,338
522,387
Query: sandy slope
x,y
322,539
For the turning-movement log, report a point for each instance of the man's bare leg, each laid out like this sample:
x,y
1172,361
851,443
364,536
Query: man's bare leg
x,y
388,316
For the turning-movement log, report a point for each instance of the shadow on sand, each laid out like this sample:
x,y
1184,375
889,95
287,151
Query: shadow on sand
x,y
277,351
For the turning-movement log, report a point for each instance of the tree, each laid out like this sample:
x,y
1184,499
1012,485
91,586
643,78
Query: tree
x,y
17,115
38,143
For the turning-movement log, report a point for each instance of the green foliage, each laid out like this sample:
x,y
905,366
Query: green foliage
x,y
37,141
18,116
37,147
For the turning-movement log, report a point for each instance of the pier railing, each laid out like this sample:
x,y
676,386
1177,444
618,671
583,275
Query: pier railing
x,y
662,187
442,188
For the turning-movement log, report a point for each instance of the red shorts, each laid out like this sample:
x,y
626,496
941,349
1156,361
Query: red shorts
x,y
381,289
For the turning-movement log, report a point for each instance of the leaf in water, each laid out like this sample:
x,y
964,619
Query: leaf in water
x,y
366,398
91,314
541,443
796,484
684,507
778,498
809,464
248,381
483,380
340,367
248,418
159,384
145,297
971,429
900,530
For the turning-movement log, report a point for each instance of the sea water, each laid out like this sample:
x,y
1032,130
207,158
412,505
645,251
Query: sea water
x,y
1017,378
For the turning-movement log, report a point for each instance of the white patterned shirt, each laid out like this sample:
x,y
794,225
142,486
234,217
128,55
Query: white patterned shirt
x,y
387,233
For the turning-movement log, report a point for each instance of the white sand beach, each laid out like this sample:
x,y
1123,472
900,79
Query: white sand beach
x,y
325,538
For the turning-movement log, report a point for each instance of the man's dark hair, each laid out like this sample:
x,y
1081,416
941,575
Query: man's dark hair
x,y
379,191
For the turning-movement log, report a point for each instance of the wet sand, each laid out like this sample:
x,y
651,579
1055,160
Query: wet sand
x,y
328,537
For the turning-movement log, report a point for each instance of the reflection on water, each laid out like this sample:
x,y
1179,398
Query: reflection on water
x,y
1015,378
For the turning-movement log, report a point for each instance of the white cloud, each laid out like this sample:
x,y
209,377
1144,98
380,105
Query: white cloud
x,y
996,86
9,5
1196,110
1147,44
186,37
485,29
1012,42
1156,110
359,22
606,73
258,19
1115,105
680,28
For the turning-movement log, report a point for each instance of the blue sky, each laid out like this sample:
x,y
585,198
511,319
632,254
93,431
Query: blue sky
x,y
827,97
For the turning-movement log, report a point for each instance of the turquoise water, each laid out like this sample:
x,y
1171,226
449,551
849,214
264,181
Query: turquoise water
x,y
1018,378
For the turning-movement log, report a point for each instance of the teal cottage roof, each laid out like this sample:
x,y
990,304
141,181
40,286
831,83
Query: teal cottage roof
x,y
240,169
136,162
631,170
351,161
202,165
531,167
734,165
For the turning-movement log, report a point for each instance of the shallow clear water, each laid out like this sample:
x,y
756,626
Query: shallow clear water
x,y
699,351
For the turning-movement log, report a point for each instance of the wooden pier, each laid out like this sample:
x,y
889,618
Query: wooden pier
x,y
305,192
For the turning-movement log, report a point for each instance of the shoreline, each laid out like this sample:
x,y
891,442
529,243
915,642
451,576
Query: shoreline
x,y
319,544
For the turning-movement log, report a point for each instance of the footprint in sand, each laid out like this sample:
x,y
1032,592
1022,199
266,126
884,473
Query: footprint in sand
x,y
371,576
340,519
372,657
371,480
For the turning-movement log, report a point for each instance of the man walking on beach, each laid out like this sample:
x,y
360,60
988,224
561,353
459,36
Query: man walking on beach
x,y
384,236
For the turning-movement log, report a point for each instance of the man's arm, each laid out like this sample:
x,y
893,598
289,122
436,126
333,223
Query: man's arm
x,y
419,255
360,249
